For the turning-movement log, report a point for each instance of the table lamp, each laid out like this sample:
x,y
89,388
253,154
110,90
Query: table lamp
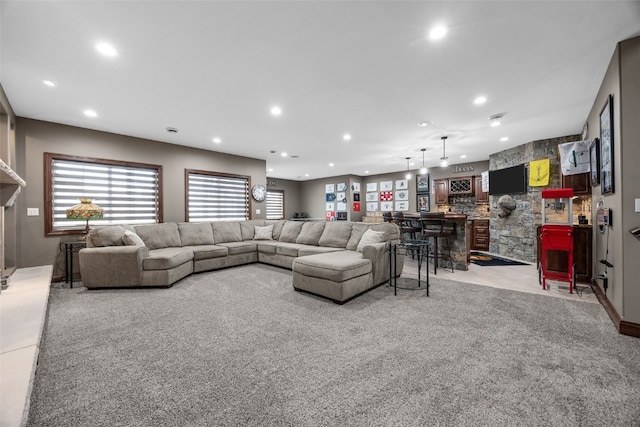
x,y
85,211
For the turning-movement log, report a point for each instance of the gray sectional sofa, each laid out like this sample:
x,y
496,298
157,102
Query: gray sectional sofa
x,y
338,260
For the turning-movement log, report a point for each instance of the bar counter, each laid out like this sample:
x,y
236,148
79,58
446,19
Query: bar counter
x,y
459,244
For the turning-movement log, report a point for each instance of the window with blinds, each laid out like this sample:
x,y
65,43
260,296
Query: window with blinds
x,y
275,204
129,193
213,196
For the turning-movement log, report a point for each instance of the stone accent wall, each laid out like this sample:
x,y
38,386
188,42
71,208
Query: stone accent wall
x,y
515,236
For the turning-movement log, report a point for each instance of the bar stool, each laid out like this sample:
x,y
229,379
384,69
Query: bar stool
x,y
435,226
406,229
405,226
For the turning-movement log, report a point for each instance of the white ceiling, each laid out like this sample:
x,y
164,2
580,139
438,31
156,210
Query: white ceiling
x,y
214,68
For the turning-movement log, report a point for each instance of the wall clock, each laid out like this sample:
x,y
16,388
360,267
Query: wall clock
x,y
259,192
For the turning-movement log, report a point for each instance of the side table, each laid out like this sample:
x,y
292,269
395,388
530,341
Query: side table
x,y
419,248
69,248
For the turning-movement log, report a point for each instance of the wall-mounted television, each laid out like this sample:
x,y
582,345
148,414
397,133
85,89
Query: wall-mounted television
x,y
511,180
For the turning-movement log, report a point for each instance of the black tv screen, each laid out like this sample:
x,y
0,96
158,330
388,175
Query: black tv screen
x,y
511,180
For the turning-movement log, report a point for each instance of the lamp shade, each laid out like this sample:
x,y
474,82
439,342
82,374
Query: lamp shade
x,y
85,211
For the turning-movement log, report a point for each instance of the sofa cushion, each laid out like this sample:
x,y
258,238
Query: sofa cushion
x,y
166,258
208,251
290,231
310,233
263,233
357,230
240,247
247,228
313,250
277,227
195,233
224,232
129,238
111,235
335,266
369,238
268,246
158,236
336,234
391,230
289,249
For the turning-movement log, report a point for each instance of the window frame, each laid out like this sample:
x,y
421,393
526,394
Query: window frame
x,y
48,187
187,172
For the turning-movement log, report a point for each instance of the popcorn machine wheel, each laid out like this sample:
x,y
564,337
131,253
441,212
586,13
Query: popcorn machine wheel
x,y
556,234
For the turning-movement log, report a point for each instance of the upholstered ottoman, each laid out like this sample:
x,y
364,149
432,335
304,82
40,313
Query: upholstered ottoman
x,y
338,276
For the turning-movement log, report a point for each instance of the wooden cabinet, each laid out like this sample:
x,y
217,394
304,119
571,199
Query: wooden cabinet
x,y
442,191
480,234
481,196
580,183
582,241
462,185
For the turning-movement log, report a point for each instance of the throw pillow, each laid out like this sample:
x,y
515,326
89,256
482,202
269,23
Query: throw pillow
x,y
369,238
263,233
132,239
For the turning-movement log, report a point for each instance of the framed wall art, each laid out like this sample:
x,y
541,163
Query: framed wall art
x,y
594,157
422,202
607,184
422,183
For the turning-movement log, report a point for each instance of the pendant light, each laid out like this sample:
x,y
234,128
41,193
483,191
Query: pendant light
x,y
423,170
408,175
443,159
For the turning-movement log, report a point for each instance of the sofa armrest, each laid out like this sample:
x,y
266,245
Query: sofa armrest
x,y
379,256
112,266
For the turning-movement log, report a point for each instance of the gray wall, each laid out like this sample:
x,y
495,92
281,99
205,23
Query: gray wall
x,y
622,80
37,137
291,190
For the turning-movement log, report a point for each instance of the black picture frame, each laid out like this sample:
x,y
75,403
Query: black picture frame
x,y
594,158
423,202
422,183
607,178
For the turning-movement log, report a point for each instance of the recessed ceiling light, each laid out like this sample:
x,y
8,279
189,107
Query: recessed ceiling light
x,y
425,123
346,137
480,100
463,156
331,164
270,169
276,111
437,32
106,49
495,119
284,154
306,174
49,83
217,140
504,139
90,113
366,171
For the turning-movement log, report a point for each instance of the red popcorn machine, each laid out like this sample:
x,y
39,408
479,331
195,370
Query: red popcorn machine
x,y
556,234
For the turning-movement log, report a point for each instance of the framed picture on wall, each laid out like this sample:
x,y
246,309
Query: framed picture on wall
x,y
607,184
594,157
422,183
422,202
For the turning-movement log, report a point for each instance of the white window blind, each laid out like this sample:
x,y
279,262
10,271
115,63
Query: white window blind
x,y
128,194
214,197
275,204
